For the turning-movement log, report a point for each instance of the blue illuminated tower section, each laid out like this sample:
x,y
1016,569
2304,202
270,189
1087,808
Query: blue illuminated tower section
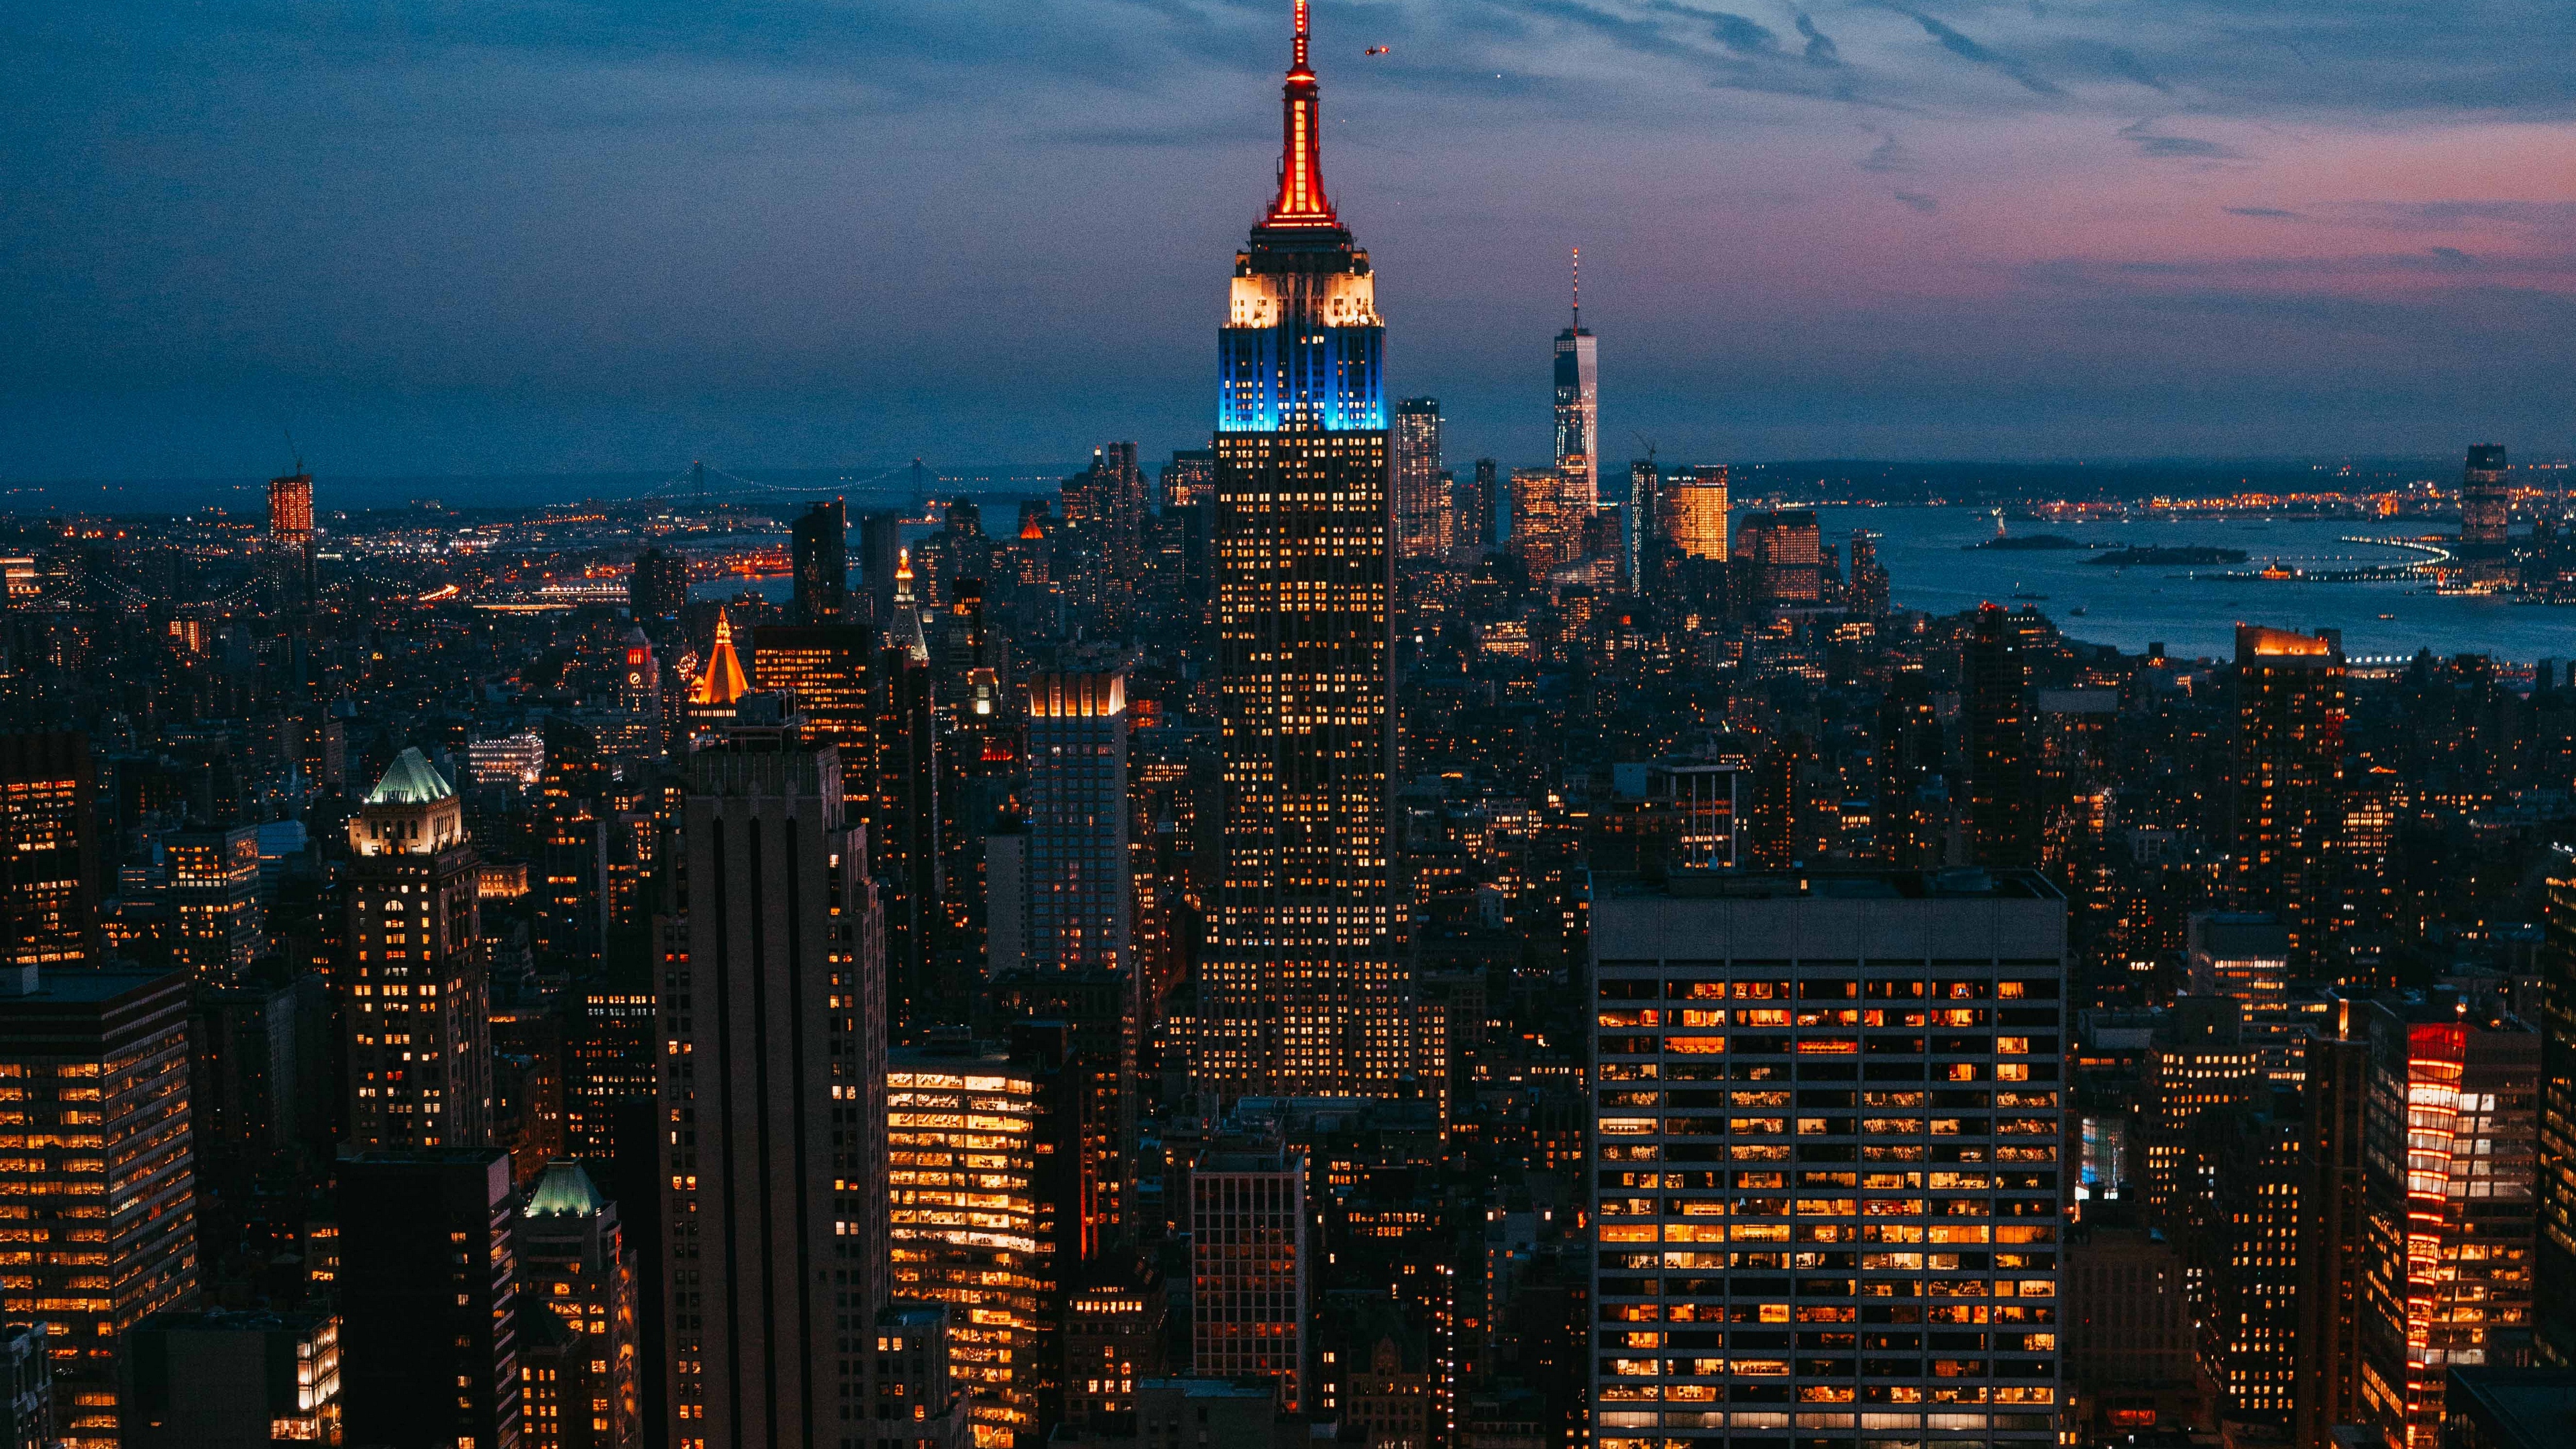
x,y
1300,988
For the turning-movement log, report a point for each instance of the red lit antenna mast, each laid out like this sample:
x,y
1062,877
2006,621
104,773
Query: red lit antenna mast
x,y
1301,200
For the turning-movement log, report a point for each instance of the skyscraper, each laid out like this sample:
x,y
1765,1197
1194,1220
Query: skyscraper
x,y
576,1263
430,1297
420,1072
1252,1263
1827,1128
214,899
95,1167
1190,478
48,851
2448,1129
1578,405
819,551
1422,507
1645,513
1485,499
290,537
2288,774
1077,870
880,550
1300,988
1546,522
2556,1329
2486,501
2001,816
1781,553
773,1096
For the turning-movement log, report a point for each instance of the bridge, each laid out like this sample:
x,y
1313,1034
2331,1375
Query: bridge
x,y
2336,571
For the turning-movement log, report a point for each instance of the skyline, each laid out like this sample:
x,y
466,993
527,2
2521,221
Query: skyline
x,y
557,239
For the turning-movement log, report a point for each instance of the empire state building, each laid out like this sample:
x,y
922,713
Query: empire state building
x,y
1301,990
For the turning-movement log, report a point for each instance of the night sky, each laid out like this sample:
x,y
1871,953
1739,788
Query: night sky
x,y
483,236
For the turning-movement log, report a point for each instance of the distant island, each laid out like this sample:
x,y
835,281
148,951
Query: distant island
x,y
2194,555
2034,542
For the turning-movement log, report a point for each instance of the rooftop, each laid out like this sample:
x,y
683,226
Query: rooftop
x,y
410,780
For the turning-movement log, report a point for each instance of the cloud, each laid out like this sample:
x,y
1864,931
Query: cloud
x,y
2456,215
1821,49
2269,213
2156,146
2129,66
1890,155
1969,50
1918,201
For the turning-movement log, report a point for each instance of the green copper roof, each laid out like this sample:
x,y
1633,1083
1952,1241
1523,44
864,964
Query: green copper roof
x,y
564,1190
410,780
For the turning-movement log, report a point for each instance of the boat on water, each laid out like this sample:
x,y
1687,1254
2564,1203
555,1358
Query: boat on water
x,y
2076,613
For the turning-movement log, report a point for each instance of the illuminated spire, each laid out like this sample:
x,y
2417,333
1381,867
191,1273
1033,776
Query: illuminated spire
x,y
723,682
1301,200
1578,289
903,577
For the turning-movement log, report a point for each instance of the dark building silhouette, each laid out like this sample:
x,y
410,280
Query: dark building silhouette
x,y
819,552
2486,499
49,870
659,586
2003,820
2287,771
430,1298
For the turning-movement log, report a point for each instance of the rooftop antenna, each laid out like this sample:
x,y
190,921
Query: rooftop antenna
x,y
1578,289
290,447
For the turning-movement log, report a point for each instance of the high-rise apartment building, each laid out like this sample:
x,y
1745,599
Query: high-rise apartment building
x,y
1114,1328
2288,774
1422,504
430,1299
1578,405
772,1098
1252,1266
1867,591
974,1177
819,554
1826,1158
1077,870
97,1184
290,537
880,552
2486,499
576,1264
2449,1133
1485,499
416,1002
2003,814
1694,512
1300,986
2199,1064
613,1052
48,851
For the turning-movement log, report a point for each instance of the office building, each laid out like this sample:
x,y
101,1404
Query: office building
x,y
416,1002
1079,900
1300,987
1694,512
2129,1351
2198,1064
1422,504
918,1403
1578,405
576,1264
49,867
1547,528
430,1299
97,1182
1485,499
1781,555
1252,1269
719,683
290,538
2449,1150
215,915
772,1096
1827,1129
2241,955
2333,1236
2003,814
517,760
2288,775
2486,499
2245,1250
612,1052
220,1378
977,1205
1866,593
1114,1326
1645,513
819,554
659,586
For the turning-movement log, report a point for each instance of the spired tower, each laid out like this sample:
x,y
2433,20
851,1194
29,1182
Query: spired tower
x,y
1301,990
1578,405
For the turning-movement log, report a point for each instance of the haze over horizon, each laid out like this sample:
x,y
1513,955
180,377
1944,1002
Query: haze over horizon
x,y
552,238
